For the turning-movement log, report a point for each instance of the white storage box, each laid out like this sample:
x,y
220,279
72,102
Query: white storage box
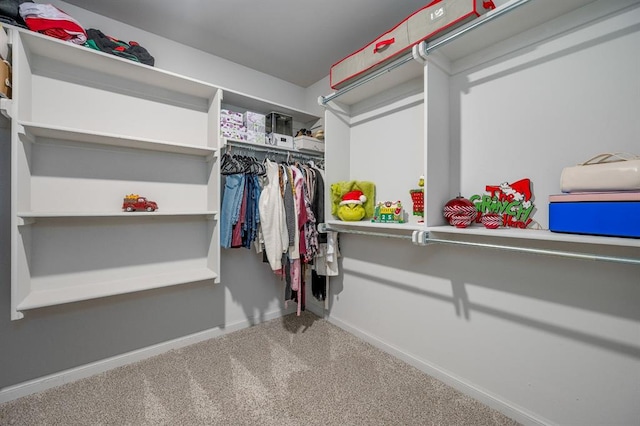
x,y
255,122
306,143
283,141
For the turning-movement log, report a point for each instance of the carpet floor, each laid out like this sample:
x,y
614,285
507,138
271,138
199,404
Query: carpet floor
x,y
287,371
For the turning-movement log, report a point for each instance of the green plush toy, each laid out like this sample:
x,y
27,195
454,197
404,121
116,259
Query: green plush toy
x,y
351,208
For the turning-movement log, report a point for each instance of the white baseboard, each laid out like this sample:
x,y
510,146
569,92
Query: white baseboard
x,y
67,376
508,409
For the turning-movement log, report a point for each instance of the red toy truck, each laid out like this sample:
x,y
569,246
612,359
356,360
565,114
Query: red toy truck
x,y
133,202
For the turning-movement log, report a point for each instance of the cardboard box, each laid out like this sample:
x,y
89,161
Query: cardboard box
x,y
256,137
228,116
5,79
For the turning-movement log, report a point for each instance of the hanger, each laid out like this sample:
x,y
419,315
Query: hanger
x,y
229,164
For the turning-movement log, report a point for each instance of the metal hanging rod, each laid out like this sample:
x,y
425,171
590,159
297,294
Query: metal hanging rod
x,y
393,65
425,49
324,228
561,253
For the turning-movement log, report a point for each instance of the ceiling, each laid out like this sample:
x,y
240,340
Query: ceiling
x,y
294,40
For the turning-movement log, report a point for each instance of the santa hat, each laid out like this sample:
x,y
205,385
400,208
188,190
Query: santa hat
x,y
353,197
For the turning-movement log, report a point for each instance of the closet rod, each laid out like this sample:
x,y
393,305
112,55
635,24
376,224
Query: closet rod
x,y
323,100
489,16
324,228
426,239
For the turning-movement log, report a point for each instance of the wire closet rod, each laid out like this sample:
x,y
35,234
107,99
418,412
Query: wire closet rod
x,y
569,254
427,49
323,228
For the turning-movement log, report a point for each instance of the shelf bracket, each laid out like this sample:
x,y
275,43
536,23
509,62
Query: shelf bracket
x,y
420,52
211,157
24,221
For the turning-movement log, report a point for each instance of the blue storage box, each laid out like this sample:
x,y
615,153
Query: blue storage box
x,y
608,218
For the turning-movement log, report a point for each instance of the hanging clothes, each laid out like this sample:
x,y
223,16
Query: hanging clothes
x,y
272,217
230,209
240,217
277,208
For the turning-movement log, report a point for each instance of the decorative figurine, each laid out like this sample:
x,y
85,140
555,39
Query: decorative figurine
x,y
417,196
388,212
513,202
351,208
134,202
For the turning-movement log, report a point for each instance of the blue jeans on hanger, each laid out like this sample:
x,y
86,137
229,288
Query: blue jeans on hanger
x,y
230,209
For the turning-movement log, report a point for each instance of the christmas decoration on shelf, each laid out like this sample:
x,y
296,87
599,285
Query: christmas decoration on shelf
x,y
460,212
417,196
135,202
491,220
512,202
351,208
389,212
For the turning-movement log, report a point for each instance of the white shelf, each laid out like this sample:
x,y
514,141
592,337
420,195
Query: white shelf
x,y
535,234
154,132
38,130
118,214
96,286
99,62
264,147
262,106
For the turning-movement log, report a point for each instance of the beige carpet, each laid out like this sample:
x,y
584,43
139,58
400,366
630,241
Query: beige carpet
x,y
288,371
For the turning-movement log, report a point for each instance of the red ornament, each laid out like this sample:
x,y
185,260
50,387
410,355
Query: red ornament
x,y
460,220
460,207
491,220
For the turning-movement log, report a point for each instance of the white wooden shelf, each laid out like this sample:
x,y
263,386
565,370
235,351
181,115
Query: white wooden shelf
x,y
73,56
149,131
271,148
115,214
43,131
55,290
